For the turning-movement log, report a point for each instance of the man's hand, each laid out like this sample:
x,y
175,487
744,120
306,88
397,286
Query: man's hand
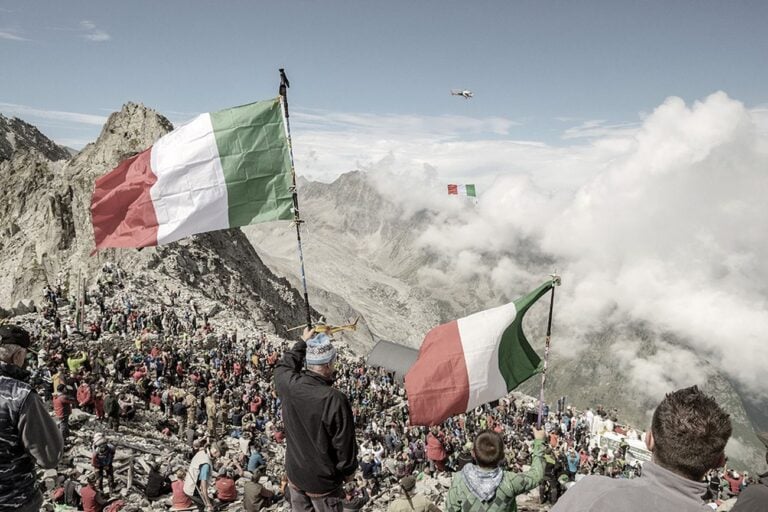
x,y
308,333
538,434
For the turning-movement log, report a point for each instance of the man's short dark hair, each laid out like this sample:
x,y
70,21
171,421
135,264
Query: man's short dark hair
x,y
489,449
690,432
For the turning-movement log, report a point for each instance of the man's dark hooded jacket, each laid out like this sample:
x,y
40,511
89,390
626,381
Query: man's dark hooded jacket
x,y
321,448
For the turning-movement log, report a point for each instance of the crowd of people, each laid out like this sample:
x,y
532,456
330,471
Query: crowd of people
x,y
133,359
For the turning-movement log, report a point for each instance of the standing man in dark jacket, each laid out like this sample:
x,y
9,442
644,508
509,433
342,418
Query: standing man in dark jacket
x,y
321,450
28,434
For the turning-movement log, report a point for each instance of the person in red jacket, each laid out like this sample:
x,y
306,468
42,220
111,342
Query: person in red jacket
x,y
225,487
62,408
255,404
734,481
94,500
435,449
84,397
98,404
179,500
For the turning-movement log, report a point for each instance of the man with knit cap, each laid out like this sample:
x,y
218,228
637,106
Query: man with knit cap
x,y
321,451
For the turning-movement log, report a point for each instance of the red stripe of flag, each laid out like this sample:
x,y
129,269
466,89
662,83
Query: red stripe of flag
x,y
453,190
122,210
438,383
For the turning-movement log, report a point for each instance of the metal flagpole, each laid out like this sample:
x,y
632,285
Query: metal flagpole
x,y
555,282
284,85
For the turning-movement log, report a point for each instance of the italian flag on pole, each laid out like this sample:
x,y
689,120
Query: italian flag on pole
x,y
221,170
472,361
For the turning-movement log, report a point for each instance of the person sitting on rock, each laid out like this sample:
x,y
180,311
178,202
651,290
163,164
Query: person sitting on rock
x,y
411,501
255,460
179,499
94,500
66,492
355,497
158,483
226,492
255,495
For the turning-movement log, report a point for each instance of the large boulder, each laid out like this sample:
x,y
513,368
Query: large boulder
x,y
24,307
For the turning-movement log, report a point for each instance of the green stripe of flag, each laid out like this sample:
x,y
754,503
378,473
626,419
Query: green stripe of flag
x,y
255,156
471,191
517,360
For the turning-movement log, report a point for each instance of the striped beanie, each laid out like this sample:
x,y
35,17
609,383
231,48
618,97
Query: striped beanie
x,y
320,350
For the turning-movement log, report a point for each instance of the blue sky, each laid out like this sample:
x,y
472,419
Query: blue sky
x,y
551,72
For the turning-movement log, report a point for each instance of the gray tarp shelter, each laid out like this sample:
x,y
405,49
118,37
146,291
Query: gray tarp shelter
x,y
393,357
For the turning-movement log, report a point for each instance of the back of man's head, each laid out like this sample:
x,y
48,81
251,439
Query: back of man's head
x,y
489,449
690,432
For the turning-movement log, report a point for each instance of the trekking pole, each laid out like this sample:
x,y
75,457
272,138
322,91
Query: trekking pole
x,y
555,282
284,85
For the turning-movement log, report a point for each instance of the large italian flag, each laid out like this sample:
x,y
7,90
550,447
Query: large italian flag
x,y
221,170
471,361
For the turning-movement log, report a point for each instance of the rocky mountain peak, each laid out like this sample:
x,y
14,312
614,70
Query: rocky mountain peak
x,y
17,136
46,235
132,129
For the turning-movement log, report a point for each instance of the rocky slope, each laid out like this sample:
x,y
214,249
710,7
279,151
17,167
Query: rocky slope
x,y
363,258
46,235
16,136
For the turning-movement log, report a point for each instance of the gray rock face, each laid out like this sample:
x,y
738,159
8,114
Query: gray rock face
x,y
17,136
47,236
23,307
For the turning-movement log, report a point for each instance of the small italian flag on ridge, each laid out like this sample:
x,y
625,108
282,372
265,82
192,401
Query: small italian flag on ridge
x,y
472,361
221,170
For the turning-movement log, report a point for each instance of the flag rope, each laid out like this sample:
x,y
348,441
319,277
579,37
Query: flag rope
x,y
284,85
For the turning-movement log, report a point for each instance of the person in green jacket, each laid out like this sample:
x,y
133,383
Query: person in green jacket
x,y
485,486
74,363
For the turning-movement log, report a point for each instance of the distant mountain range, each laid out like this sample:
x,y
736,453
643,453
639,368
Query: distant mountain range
x,y
364,258
17,136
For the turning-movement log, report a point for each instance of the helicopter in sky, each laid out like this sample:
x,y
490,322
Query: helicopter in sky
x,y
464,93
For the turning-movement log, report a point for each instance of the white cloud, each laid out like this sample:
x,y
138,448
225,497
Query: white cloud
x,y
56,115
461,149
660,224
11,35
93,33
599,128
669,367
